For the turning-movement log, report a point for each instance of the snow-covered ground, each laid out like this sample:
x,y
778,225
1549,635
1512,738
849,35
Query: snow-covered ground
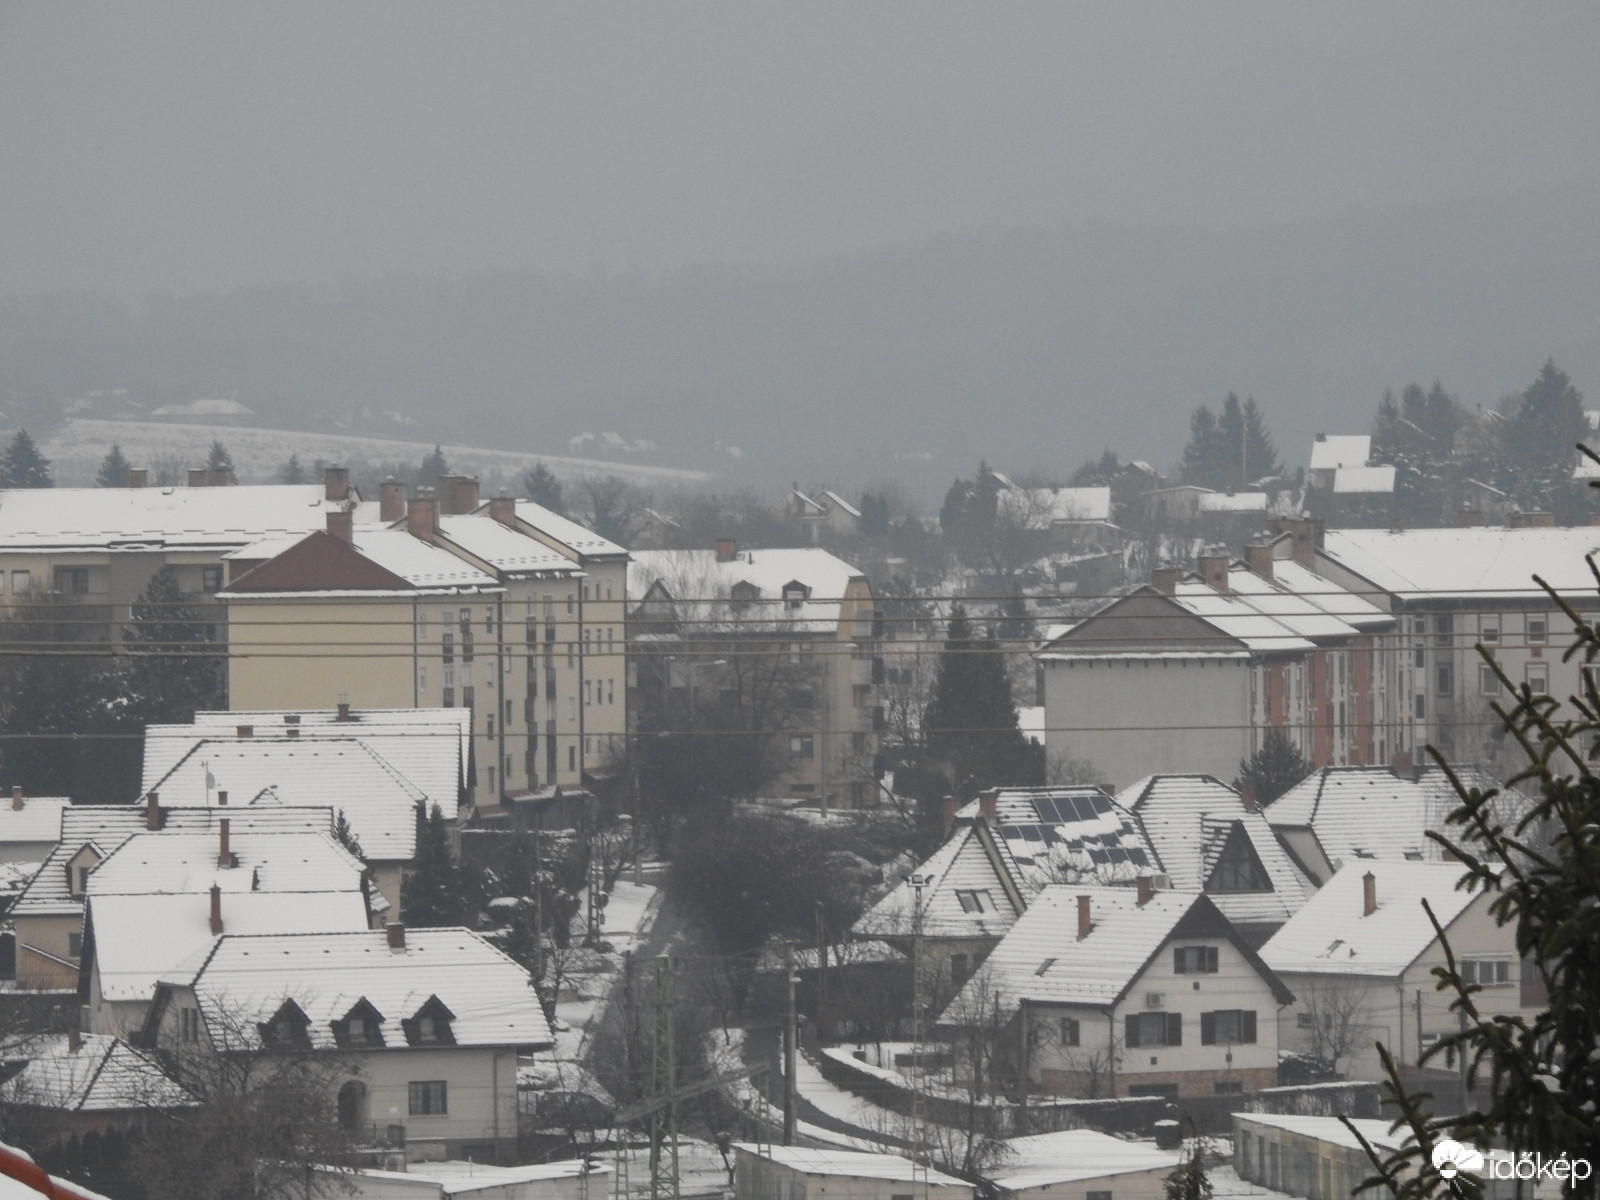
x,y
77,446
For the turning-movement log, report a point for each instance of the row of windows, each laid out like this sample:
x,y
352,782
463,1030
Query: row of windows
x,y
1223,1027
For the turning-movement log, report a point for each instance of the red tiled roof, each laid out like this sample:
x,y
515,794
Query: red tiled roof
x,y
321,562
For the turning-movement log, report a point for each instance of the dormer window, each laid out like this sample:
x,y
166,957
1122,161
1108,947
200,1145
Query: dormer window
x,y
431,1026
361,1026
795,594
743,594
288,1029
78,868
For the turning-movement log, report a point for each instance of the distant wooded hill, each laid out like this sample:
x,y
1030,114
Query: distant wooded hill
x,y
1029,348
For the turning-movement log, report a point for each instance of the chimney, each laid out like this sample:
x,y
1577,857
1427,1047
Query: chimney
x,y
1369,894
224,851
951,806
152,811
342,525
291,718
336,483
726,549
216,909
1085,925
397,936
1305,539
1214,570
74,1039
222,798
138,477
1259,559
1322,437
16,797
1165,580
1247,793
343,712
422,515
1401,766
293,731
989,804
459,494
1146,890
197,477
245,730
222,477
391,501
503,509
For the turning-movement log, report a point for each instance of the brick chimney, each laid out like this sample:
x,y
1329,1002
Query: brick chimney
x,y
391,501
222,477
342,525
245,730
503,509
1369,894
342,713
727,549
152,811
1247,793
459,494
422,515
216,909
1259,558
1165,580
222,798
138,477
1214,570
197,477
397,936
1085,923
16,797
951,807
1305,539
74,1039
989,804
1146,890
336,483
224,850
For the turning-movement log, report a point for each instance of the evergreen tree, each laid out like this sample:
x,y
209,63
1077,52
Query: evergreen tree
x,y
970,726
1272,770
433,466
1243,449
540,485
219,459
1204,458
113,472
1189,1180
175,666
22,466
874,514
433,892
292,471
346,836
1097,472
971,505
1541,438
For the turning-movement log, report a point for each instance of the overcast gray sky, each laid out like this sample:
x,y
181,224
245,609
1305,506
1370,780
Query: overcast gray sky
x,y
196,146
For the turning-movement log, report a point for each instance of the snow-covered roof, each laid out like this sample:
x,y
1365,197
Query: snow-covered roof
x,y
1467,563
104,1074
1332,451
427,747
1327,595
1355,481
140,941
852,1164
171,862
701,586
838,501
1042,507
1338,805
1295,612
504,548
1332,1130
1239,618
1044,959
326,975
457,1178
419,563
1190,820
1330,935
37,820
377,562
1059,834
1233,502
566,531
337,773
1073,1155
135,519
965,896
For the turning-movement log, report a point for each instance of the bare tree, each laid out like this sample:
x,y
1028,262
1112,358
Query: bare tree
x,y
1334,1022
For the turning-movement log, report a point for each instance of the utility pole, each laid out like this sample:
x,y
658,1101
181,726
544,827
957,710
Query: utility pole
x,y
538,917
664,1082
790,1047
1022,1062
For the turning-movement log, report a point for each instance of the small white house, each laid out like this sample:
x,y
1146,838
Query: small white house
x,y
803,1173
1082,1164
571,1179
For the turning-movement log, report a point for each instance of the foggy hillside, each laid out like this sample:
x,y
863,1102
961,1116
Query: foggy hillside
x,y
1032,348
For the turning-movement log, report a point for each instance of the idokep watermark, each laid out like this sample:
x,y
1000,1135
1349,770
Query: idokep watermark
x,y
1451,1158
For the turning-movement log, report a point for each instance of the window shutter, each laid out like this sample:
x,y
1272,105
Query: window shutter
x,y
1208,1029
1248,1025
1178,964
1211,959
1174,1029
1131,1037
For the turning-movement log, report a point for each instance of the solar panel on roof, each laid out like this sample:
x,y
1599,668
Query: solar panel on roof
x,y
1085,808
1138,858
1102,804
1100,856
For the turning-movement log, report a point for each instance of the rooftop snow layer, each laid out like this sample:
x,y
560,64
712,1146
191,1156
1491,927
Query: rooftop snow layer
x,y
1339,805
504,548
1073,1155
1363,481
854,1164
172,517
1469,563
965,896
38,820
701,586
567,532
104,1074
174,862
1331,452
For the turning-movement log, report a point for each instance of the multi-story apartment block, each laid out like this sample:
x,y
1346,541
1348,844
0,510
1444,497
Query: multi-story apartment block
x,y
783,641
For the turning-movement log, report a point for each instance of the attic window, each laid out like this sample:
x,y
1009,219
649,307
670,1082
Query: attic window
x,y
795,593
287,1030
975,900
361,1026
1045,966
744,592
431,1026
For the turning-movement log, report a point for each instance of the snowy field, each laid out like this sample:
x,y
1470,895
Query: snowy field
x,y
76,448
